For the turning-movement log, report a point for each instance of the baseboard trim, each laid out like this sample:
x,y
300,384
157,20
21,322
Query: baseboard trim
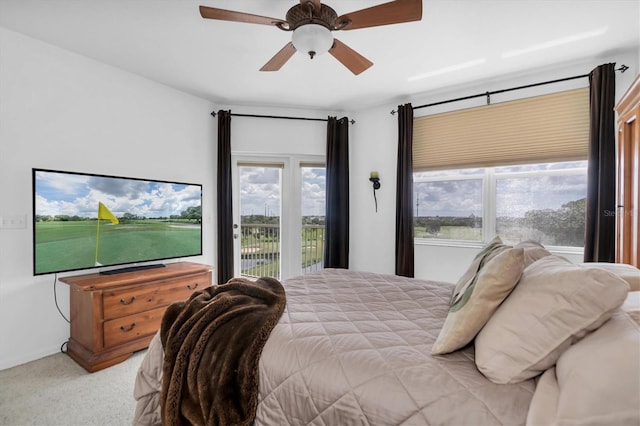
x,y
28,357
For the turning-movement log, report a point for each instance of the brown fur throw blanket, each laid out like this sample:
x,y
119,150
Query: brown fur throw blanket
x,y
212,345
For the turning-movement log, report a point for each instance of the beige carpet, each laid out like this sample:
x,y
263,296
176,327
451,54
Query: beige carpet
x,y
57,391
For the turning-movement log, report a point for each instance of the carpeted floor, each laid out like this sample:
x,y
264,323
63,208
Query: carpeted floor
x,y
57,391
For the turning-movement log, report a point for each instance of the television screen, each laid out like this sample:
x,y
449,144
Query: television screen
x,y
83,220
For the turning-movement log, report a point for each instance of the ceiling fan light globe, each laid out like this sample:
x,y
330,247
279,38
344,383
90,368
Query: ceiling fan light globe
x,y
312,39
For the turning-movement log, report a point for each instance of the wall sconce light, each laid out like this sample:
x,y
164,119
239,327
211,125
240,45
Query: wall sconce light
x,y
375,178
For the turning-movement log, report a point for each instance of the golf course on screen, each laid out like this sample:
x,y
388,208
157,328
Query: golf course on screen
x,y
70,245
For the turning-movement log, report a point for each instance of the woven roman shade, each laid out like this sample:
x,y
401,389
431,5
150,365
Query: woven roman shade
x,y
540,129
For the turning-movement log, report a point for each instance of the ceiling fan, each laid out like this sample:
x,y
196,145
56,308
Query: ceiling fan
x,y
312,23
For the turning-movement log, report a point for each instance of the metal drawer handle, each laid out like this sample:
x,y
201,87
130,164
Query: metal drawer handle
x,y
124,302
125,329
192,288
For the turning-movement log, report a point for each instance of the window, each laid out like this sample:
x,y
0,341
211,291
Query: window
x,y
543,202
515,168
449,204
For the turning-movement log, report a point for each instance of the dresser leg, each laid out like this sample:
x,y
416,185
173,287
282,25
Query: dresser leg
x,y
91,361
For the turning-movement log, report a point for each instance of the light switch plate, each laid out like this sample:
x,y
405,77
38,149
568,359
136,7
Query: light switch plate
x,y
18,221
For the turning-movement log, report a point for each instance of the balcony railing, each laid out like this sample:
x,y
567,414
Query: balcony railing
x,y
312,248
260,250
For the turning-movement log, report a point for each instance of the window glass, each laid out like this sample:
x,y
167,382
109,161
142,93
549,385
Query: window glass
x,y
542,202
313,211
449,209
260,204
313,192
549,209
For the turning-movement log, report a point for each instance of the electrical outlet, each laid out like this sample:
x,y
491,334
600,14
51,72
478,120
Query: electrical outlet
x,y
18,221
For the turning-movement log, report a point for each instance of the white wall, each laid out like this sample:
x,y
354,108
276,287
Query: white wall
x,y
251,135
67,112
374,148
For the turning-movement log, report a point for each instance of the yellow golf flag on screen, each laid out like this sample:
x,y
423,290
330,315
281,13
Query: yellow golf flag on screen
x,y
105,213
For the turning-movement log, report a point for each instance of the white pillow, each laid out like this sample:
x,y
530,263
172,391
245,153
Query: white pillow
x,y
596,381
629,273
555,304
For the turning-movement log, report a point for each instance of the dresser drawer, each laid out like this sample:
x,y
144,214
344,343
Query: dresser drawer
x,y
131,327
122,302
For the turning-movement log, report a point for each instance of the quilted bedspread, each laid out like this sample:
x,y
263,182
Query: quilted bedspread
x,y
353,348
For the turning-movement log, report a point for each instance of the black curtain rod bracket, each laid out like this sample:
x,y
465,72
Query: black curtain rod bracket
x,y
622,69
213,113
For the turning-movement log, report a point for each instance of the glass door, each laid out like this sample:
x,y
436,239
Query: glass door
x,y
279,208
258,225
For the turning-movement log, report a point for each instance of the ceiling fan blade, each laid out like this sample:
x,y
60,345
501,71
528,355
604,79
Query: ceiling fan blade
x,y
316,5
230,15
349,57
393,12
280,58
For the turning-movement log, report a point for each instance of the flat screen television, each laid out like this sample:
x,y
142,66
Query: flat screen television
x,y
83,221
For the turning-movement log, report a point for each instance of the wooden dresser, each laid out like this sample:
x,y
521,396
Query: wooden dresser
x,y
113,316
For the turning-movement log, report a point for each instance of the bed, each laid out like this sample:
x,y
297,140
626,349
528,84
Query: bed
x,y
355,348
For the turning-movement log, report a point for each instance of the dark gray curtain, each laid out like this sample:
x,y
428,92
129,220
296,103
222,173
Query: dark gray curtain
x,y
599,244
404,193
224,198
336,245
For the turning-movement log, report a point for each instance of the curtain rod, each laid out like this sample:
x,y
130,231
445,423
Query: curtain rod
x,y
622,69
213,113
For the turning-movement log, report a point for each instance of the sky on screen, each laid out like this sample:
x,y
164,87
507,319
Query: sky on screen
x,y
76,194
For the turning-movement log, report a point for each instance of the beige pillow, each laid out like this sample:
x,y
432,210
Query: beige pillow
x,y
490,278
629,273
596,381
555,304
533,251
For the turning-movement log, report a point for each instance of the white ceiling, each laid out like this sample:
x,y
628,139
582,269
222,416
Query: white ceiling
x,y
457,42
